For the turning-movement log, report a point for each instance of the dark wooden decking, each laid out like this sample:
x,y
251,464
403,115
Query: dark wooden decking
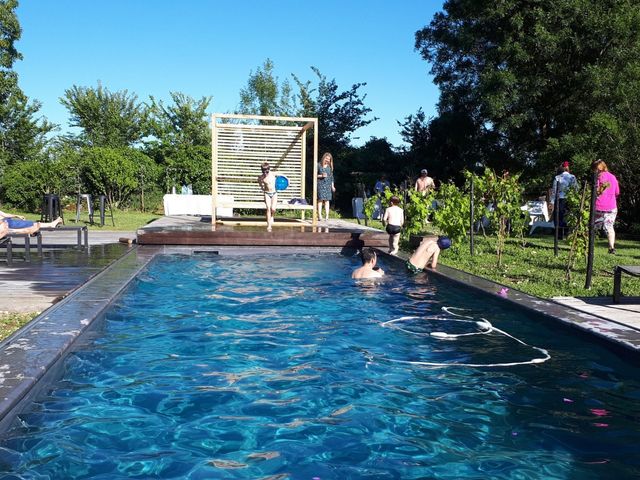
x,y
187,230
35,285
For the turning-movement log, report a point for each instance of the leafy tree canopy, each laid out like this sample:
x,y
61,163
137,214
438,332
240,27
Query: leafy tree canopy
x,y
182,141
106,119
541,81
22,137
265,95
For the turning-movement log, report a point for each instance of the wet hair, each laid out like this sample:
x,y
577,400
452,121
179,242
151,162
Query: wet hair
x,y
368,254
395,200
444,242
265,166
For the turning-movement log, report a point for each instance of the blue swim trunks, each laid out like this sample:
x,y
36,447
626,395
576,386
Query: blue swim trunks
x,y
15,223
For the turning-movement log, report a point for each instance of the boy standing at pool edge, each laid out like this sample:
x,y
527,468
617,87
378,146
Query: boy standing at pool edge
x,y
394,219
267,182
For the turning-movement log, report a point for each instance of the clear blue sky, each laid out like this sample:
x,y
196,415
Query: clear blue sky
x,y
209,47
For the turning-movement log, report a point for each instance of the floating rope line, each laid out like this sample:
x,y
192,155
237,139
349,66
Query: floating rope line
x,y
485,327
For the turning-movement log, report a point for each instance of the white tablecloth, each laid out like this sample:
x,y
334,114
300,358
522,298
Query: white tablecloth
x,y
195,205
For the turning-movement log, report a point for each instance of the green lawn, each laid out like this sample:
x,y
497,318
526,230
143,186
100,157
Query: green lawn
x,y
10,322
125,220
534,269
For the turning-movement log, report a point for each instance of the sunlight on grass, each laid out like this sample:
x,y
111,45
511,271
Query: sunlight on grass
x,y
10,322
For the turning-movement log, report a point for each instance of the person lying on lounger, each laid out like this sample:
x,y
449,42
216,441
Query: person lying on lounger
x,y
4,229
18,224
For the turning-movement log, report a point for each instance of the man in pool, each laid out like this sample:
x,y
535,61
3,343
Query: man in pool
x,y
267,182
428,250
368,268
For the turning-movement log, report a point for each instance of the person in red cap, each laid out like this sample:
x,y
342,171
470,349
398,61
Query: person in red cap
x,y
561,185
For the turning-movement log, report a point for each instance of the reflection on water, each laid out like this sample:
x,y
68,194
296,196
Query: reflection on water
x,y
282,367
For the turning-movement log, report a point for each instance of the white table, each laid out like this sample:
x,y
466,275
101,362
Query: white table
x,y
195,205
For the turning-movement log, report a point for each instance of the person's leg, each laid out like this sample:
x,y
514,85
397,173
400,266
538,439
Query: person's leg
x,y
274,202
53,224
320,203
611,238
391,243
609,220
395,243
26,230
267,211
326,209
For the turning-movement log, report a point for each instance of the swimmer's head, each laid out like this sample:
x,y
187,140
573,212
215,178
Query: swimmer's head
x,y
368,255
444,242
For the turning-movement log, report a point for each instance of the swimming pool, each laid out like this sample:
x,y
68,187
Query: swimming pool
x,y
281,367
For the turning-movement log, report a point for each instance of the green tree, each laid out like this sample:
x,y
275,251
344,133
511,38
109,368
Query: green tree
x,y
22,136
266,95
542,81
114,172
182,141
106,119
339,113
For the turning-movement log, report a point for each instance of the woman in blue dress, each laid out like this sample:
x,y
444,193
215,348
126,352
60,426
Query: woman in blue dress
x,y
326,188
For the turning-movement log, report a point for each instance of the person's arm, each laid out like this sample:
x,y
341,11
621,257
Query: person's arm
x,y
385,218
434,259
10,215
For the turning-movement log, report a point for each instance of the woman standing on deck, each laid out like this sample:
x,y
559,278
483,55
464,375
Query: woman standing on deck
x,y
326,188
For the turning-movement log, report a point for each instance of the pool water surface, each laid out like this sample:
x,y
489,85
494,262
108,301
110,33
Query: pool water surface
x,y
281,367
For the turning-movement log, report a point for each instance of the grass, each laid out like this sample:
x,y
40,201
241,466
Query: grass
x,y
125,220
10,322
535,270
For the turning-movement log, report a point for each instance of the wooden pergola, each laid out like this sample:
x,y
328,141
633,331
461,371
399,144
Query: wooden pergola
x,y
241,143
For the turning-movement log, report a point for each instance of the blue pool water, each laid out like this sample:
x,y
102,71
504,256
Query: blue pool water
x,y
281,367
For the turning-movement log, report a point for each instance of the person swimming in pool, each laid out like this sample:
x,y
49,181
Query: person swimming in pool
x,y
18,224
428,250
368,268
267,182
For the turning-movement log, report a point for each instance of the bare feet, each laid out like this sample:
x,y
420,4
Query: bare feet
x,y
57,222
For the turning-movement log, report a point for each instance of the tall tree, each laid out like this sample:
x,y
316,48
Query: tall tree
x,y
182,141
106,119
265,94
339,113
22,136
540,77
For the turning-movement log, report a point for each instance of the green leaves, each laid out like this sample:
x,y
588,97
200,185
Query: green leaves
x,y
107,119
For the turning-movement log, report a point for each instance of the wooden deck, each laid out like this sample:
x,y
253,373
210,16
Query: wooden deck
x,y
35,285
190,230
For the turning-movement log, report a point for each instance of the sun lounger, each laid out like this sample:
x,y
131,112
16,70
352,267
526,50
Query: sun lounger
x,y
634,271
82,231
6,243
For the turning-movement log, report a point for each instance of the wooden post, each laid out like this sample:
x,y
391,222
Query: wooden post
x,y
303,180
214,169
315,171
592,231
